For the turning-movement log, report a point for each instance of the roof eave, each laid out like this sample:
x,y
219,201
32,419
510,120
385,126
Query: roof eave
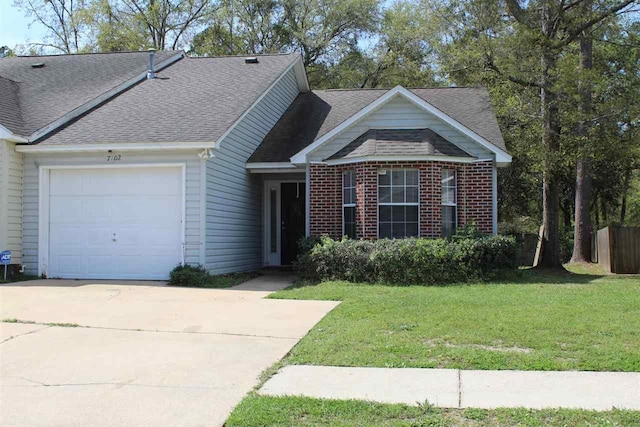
x,y
7,135
401,158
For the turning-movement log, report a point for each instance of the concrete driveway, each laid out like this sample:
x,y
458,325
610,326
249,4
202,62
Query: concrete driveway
x,y
143,354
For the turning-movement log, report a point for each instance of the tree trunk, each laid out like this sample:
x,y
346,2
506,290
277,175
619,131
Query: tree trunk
x,y
623,206
596,211
583,229
551,143
566,214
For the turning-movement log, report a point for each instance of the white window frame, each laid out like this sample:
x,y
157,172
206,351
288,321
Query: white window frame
x,y
416,204
454,204
348,205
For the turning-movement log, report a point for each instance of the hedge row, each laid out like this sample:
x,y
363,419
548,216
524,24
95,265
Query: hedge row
x,y
412,261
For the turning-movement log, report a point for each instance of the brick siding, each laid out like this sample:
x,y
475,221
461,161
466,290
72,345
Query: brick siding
x,y
474,183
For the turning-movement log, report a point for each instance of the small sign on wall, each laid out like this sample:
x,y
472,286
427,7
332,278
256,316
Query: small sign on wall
x,y
5,259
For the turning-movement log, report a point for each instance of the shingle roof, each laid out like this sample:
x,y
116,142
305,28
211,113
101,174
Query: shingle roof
x,y
193,100
314,114
376,142
66,82
10,116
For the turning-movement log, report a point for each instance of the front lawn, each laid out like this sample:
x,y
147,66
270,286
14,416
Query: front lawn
x,y
257,410
535,322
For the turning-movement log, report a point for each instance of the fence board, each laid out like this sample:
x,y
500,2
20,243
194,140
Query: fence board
x,y
619,249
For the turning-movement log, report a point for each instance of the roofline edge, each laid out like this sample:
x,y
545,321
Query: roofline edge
x,y
257,101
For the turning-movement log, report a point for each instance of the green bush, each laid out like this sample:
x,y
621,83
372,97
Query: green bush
x,y
411,261
189,275
197,276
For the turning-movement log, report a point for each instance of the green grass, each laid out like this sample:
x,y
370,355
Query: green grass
x,y
535,322
229,280
257,410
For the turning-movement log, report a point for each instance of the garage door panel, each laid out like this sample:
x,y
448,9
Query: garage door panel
x,y
99,266
166,209
70,265
65,210
97,232
66,183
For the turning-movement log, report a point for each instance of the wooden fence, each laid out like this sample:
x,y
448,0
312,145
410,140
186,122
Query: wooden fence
x,y
618,249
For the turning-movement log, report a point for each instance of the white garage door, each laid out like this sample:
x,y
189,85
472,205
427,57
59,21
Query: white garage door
x,y
115,223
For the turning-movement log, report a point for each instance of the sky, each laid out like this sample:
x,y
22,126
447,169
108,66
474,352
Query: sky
x,y
15,28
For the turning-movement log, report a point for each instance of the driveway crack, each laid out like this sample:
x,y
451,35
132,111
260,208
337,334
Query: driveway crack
x,y
26,333
459,389
74,325
119,384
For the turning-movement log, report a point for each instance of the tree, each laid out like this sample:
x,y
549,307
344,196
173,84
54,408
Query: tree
x,y
397,54
5,52
161,24
523,51
323,31
243,27
584,179
67,22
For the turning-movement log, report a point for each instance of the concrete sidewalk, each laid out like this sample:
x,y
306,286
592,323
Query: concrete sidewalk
x,y
450,388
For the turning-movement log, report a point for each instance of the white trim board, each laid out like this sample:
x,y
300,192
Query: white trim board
x,y
137,146
501,155
402,159
43,203
6,134
271,165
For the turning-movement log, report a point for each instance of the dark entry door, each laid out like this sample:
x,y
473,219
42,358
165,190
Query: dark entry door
x,y
292,207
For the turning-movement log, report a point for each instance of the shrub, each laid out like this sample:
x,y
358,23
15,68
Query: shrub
x,y
189,275
198,277
412,261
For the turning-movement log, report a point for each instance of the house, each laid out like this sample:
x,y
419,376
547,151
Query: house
x,y
124,165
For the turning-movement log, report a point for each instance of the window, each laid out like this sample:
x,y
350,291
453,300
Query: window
x,y
449,205
397,203
349,204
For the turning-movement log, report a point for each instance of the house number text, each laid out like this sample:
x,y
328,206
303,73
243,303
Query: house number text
x,y
114,157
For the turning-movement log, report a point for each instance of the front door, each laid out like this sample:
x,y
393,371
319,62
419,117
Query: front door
x,y
284,221
292,223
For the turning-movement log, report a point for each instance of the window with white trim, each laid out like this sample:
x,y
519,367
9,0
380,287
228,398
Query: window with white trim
x,y
449,205
398,203
349,204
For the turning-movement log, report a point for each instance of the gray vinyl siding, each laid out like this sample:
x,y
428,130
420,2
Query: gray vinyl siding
x,y
11,168
234,196
193,242
399,113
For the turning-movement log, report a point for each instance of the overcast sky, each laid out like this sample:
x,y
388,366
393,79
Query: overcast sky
x,y
14,27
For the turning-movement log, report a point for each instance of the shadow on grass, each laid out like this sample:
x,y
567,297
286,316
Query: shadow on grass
x,y
540,275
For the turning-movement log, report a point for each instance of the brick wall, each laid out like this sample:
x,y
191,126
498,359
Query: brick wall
x,y
474,196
